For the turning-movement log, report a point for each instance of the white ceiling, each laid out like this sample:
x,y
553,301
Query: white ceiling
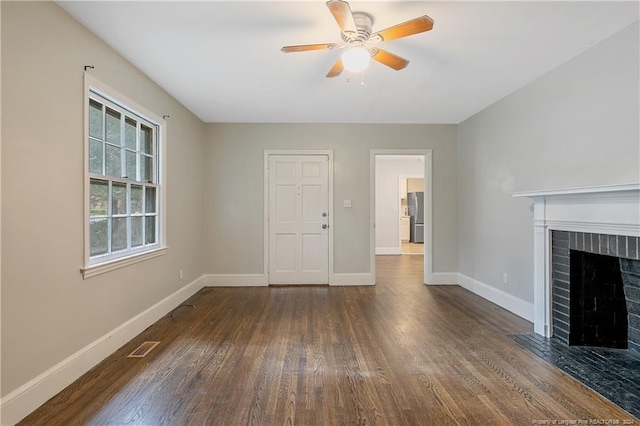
x,y
222,60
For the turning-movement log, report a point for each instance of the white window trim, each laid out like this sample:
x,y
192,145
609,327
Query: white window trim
x,y
91,269
101,268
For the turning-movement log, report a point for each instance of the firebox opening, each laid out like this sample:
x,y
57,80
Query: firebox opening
x,y
598,311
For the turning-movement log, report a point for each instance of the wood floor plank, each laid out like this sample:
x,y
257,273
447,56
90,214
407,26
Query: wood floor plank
x,y
397,353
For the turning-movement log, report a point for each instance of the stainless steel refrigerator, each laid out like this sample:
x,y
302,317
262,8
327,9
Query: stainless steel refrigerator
x,y
415,202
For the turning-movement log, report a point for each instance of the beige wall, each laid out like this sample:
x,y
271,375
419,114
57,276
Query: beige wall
x,y
233,211
48,311
415,185
575,126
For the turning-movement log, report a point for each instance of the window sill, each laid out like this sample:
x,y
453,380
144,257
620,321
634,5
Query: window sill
x,y
112,265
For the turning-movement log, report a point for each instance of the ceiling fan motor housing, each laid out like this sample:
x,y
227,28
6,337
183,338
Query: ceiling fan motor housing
x,y
363,22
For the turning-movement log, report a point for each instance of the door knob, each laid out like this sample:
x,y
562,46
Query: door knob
x,y
325,226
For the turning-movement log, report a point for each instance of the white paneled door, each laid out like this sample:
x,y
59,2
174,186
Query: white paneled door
x,y
298,219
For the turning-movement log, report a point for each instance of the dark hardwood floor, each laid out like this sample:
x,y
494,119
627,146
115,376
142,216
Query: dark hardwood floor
x,y
397,353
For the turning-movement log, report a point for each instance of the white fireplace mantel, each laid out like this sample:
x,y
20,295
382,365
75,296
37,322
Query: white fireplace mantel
x,y
611,209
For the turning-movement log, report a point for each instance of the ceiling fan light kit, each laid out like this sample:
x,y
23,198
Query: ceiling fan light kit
x,y
356,30
356,59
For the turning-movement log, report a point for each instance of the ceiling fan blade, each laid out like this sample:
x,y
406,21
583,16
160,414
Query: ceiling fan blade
x,y
336,69
414,26
306,47
343,16
389,59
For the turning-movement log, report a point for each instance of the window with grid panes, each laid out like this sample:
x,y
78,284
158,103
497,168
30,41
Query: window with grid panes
x,y
124,186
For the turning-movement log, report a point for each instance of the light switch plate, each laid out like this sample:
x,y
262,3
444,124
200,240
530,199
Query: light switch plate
x,y
347,203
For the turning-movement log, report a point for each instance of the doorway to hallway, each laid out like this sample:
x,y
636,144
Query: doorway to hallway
x,y
401,219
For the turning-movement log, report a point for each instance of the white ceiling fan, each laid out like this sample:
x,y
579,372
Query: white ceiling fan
x,y
356,30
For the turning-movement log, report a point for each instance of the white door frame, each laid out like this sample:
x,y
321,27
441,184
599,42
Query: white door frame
x,y
428,207
298,152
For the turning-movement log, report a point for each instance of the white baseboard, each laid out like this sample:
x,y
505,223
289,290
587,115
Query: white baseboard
x,y
21,402
364,278
260,280
235,280
511,303
382,251
444,278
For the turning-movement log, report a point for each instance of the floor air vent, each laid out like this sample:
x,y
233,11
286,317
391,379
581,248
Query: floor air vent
x,y
143,350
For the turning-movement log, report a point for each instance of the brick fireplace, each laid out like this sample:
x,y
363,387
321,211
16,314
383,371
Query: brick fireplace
x,y
601,220
586,287
595,289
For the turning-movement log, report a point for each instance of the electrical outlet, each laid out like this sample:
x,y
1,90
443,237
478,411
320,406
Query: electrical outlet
x,y
181,274
505,278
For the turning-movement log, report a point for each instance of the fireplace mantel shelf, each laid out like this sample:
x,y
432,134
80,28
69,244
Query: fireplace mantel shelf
x,y
579,190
